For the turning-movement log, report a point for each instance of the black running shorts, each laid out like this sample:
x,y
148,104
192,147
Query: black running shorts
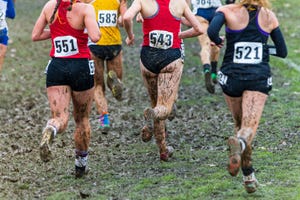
x,y
108,52
77,73
235,88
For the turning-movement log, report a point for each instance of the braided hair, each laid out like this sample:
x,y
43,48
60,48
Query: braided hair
x,y
70,7
55,10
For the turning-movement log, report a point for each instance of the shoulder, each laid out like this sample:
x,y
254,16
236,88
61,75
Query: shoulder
x,y
179,2
84,7
229,8
269,17
49,6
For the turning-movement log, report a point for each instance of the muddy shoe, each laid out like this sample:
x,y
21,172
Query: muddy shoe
x,y
81,171
234,156
45,153
104,123
214,78
115,85
168,154
250,183
210,87
173,113
146,134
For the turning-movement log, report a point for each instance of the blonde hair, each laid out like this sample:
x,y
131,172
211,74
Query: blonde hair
x,y
260,3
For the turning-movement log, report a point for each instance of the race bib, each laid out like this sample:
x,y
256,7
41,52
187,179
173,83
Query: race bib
x,y
203,4
3,7
92,67
248,52
65,46
222,78
160,39
107,18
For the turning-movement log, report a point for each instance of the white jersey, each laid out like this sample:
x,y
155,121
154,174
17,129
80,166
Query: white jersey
x,y
3,7
196,4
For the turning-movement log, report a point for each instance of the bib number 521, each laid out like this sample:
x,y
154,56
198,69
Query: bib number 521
x,y
248,52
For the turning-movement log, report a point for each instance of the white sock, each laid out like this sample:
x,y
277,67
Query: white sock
x,y
53,128
243,145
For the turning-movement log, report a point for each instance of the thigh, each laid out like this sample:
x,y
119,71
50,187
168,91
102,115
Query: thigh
x,y
82,103
168,82
235,106
253,104
203,38
150,82
99,69
59,100
116,64
3,49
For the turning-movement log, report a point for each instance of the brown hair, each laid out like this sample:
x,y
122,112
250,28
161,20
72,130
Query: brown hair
x,y
55,10
70,7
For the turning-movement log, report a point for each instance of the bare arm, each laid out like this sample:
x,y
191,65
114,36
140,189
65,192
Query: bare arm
x,y
183,19
91,24
122,10
128,20
39,31
196,26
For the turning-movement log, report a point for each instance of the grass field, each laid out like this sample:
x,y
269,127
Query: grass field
x,y
123,167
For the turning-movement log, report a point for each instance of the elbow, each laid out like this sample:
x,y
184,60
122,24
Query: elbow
x,y
199,30
95,38
283,54
34,37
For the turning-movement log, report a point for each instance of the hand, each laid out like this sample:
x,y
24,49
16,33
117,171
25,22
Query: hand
x,y
219,45
130,40
139,18
120,21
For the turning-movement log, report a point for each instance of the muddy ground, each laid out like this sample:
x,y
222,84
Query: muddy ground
x,y
203,122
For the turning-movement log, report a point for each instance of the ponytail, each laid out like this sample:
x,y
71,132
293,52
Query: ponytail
x,y
70,7
55,10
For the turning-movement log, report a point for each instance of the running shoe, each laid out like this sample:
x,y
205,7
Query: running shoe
x,y
104,122
45,152
214,78
115,85
81,171
234,156
250,183
210,87
168,154
147,130
146,134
